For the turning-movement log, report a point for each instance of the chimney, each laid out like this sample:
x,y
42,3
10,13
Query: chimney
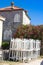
x,y
12,5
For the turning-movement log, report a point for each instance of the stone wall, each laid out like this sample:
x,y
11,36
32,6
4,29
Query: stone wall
x,y
5,54
13,20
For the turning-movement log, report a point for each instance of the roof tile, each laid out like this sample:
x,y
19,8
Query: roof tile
x,y
10,8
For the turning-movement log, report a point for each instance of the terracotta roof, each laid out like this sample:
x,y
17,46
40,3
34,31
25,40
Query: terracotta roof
x,y
10,8
13,9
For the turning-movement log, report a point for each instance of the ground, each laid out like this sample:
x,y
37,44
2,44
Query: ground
x,y
32,62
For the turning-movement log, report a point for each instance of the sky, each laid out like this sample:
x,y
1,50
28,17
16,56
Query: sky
x,y
34,8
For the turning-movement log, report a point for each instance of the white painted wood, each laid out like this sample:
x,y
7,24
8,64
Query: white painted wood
x,y
1,29
24,52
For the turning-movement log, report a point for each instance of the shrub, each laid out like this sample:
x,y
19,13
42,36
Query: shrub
x,y
5,45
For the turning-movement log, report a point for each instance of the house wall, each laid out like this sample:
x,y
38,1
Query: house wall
x,y
26,20
1,30
13,20
1,27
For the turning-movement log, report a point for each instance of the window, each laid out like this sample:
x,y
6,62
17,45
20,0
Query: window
x,y
7,34
17,18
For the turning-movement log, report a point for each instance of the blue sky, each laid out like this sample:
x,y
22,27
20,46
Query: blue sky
x,y
34,8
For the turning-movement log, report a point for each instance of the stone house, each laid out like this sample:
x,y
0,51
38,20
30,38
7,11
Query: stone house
x,y
14,17
10,18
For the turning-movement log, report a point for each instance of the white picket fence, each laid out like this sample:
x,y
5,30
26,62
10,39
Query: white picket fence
x,y
21,49
1,55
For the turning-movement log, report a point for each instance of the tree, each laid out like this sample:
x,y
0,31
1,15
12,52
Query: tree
x,y
28,32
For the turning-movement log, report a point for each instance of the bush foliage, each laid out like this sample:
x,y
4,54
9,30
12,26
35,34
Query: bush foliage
x,y
31,31
5,45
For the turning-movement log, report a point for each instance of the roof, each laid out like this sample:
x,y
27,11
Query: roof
x,y
14,8
11,8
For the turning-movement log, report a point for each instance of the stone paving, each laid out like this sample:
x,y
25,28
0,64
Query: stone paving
x,y
36,62
33,62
